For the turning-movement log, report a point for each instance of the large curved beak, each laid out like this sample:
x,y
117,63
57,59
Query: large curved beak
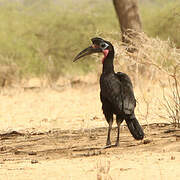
x,y
87,51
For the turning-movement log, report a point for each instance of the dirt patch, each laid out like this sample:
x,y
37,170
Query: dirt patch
x,y
50,134
21,151
56,144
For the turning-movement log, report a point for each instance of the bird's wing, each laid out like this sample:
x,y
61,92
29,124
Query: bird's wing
x,y
117,89
126,94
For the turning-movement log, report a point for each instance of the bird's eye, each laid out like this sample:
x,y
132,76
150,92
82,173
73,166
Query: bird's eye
x,y
104,45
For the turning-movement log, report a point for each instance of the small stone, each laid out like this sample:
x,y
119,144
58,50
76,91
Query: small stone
x,y
172,157
32,153
3,148
92,137
34,161
146,141
17,152
164,150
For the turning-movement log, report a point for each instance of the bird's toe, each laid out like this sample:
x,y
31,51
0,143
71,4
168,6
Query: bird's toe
x,y
117,144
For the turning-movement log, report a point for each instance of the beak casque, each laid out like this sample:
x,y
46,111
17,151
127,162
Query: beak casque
x,y
87,51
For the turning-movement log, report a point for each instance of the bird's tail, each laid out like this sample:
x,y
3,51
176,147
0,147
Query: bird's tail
x,y
135,128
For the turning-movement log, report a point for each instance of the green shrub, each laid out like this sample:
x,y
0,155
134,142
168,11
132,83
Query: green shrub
x,y
162,19
42,36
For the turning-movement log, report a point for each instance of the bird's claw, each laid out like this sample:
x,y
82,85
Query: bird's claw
x,y
107,146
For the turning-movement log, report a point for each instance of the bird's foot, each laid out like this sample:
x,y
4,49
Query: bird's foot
x,y
108,144
117,144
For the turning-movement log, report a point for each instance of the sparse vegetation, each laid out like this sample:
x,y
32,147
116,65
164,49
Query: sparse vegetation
x,y
103,170
161,19
43,41
59,132
157,61
172,102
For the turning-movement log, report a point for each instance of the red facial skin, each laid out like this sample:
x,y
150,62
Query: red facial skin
x,y
105,52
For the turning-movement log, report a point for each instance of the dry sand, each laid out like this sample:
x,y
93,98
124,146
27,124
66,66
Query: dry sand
x,y
61,135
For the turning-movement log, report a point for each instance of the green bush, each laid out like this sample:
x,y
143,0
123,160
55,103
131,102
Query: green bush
x,y
42,36
162,19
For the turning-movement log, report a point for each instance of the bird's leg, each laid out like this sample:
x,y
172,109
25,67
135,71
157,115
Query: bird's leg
x,y
109,119
108,142
118,121
117,141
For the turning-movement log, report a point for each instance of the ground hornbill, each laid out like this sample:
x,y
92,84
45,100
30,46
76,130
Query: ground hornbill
x,y
116,94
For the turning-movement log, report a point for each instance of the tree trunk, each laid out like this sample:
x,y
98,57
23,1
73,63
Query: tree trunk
x,y
128,15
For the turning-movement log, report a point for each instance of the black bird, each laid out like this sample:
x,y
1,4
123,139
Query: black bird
x,y
116,94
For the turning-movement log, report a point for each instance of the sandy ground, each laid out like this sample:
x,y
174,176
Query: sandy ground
x,y
50,134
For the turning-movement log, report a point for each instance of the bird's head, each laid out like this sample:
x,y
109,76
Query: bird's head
x,y
99,45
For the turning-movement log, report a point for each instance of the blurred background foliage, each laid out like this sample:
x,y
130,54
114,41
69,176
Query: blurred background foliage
x,y
42,36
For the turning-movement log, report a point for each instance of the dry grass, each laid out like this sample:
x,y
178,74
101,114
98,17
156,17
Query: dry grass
x,y
77,106
150,68
103,169
8,75
172,104
154,64
152,58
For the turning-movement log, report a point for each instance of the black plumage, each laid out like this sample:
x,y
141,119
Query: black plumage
x,y
116,93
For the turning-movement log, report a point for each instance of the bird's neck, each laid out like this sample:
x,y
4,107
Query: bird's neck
x,y
108,66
